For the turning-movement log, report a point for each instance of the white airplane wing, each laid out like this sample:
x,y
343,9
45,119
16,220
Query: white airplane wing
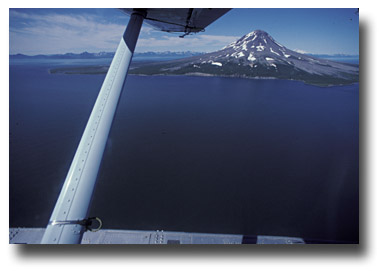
x,y
185,20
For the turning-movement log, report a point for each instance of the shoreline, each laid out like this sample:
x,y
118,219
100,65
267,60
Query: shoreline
x,y
102,69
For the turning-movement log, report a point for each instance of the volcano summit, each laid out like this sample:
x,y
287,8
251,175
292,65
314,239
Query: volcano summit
x,y
257,55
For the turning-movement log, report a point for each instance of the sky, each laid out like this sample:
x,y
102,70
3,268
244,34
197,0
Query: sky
x,y
59,31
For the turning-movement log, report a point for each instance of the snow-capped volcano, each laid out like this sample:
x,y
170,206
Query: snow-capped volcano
x,y
256,47
257,55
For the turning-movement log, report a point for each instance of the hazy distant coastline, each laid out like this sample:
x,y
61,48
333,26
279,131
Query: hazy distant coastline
x,y
145,55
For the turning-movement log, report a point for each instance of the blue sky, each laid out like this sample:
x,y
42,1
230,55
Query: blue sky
x,y
50,31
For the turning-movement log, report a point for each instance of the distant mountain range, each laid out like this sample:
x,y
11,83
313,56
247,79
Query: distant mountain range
x,y
86,55
257,55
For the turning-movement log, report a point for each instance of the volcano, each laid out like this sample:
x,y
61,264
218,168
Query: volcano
x,y
257,55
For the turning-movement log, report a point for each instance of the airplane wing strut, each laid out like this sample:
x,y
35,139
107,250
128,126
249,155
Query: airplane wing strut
x,y
74,199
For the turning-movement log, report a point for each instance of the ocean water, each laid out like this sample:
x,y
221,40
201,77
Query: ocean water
x,y
195,154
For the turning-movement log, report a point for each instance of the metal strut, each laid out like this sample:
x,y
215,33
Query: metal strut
x,y
87,223
70,212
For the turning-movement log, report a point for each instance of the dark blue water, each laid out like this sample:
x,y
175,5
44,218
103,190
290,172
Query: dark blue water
x,y
196,154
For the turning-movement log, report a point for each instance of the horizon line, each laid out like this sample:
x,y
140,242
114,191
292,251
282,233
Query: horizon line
x,y
166,51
